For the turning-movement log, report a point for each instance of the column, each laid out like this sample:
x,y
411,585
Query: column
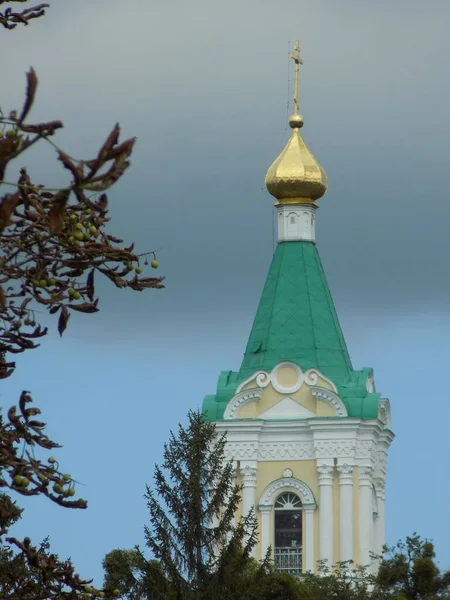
x,y
248,478
309,550
365,514
265,529
326,513
379,523
345,512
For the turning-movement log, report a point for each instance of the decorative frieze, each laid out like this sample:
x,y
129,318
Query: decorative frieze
x,y
364,449
270,451
288,449
334,448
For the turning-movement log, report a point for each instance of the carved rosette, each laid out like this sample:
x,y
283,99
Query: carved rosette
x,y
325,474
345,474
248,476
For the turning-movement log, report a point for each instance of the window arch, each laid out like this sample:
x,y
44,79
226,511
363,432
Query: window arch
x,y
288,533
266,506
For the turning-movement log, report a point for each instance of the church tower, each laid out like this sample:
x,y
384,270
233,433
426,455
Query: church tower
x,y
307,433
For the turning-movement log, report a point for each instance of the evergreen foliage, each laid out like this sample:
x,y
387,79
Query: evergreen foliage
x,y
192,510
203,549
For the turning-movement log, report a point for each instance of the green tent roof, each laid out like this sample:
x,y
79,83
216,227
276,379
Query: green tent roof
x,y
296,321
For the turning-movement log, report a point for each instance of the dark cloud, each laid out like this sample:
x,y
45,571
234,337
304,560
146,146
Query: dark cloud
x,y
206,95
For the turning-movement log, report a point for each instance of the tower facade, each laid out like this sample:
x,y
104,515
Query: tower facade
x,y
307,433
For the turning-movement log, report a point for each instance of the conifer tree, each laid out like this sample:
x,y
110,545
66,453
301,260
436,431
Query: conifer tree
x,y
194,533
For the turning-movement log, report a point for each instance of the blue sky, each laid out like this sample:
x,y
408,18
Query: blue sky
x,y
204,87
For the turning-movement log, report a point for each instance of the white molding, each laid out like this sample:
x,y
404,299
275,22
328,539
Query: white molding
x,y
264,378
288,484
240,400
334,448
271,451
364,443
330,398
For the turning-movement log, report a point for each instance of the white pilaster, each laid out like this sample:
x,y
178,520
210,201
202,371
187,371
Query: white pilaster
x,y
265,529
296,222
248,478
345,512
309,550
365,515
379,523
325,472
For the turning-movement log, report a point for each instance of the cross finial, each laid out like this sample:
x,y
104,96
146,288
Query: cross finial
x,y
297,61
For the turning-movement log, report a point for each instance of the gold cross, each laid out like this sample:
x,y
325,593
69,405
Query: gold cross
x,y
298,61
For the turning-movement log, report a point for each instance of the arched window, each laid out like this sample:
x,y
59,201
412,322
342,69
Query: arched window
x,y
288,533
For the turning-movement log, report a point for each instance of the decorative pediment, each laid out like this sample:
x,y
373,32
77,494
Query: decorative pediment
x,y
286,392
287,408
287,378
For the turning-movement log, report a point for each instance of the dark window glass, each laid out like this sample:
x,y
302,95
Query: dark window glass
x,y
288,528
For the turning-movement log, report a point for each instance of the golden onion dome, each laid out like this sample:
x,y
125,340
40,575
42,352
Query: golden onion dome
x,y
296,176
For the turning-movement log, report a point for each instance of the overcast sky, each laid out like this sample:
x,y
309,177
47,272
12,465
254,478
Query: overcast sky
x,y
204,87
